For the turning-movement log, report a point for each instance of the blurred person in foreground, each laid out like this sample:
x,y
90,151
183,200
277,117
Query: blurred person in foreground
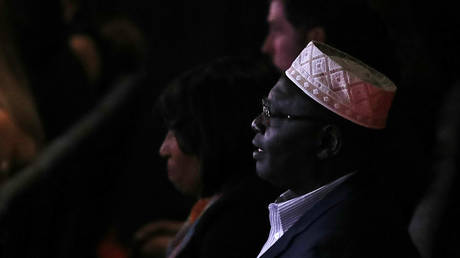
x,y
208,153
316,138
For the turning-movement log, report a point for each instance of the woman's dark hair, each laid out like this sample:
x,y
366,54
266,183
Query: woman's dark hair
x,y
210,109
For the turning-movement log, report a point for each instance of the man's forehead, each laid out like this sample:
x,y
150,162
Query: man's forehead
x,y
276,10
279,89
285,97
283,93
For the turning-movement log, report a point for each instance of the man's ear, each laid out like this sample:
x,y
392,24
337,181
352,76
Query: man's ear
x,y
330,142
317,34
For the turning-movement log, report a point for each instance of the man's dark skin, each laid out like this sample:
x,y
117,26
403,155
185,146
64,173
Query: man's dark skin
x,y
302,146
291,153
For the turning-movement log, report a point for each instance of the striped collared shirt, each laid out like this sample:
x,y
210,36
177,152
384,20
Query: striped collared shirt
x,y
289,207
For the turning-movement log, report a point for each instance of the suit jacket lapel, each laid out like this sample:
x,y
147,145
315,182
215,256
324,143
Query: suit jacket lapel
x,y
332,199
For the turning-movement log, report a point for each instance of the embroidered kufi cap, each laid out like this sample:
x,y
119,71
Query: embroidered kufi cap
x,y
343,84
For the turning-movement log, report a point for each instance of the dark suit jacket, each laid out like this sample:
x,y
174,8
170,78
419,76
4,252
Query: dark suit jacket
x,y
236,225
354,220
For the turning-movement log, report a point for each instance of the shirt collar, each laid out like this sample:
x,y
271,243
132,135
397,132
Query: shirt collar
x,y
291,206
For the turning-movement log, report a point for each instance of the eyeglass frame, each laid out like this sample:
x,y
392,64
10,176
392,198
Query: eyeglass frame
x,y
267,114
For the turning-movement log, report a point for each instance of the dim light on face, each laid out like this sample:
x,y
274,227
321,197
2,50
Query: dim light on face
x,y
183,169
283,42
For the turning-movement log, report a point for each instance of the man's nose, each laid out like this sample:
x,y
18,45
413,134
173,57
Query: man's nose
x,y
266,46
164,148
257,124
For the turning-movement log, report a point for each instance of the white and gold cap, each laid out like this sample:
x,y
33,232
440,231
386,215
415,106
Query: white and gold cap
x,y
343,84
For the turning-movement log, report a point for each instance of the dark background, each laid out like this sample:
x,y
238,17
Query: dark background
x,y
112,180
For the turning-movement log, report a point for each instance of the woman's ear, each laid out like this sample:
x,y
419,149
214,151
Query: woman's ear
x,y
330,142
317,34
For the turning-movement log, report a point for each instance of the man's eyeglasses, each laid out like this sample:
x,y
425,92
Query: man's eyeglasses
x,y
267,114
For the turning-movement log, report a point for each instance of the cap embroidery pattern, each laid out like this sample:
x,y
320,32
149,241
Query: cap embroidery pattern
x,y
343,84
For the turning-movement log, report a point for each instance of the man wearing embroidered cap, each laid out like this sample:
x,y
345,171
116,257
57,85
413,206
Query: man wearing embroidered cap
x,y
315,137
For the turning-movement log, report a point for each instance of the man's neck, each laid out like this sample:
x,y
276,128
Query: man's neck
x,y
321,179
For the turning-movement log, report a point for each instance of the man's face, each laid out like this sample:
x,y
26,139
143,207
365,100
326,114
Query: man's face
x,y
283,42
286,148
183,169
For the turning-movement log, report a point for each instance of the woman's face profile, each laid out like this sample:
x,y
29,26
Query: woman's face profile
x,y
183,169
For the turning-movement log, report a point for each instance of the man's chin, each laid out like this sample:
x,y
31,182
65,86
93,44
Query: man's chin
x,y
259,170
263,174
266,176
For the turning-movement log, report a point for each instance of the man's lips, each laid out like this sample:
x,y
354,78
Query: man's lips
x,y
258,152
